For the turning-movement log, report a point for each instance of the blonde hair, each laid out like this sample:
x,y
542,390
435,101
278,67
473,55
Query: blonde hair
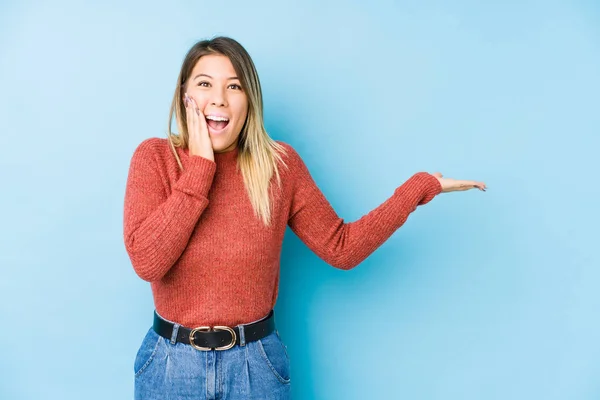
x,y
258,153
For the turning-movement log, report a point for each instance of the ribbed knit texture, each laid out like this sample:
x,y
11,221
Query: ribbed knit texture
x,y
193,233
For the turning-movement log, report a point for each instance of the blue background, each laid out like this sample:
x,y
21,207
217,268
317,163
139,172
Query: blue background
x,y
478,296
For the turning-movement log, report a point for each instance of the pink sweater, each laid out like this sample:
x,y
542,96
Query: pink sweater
x,y
193,235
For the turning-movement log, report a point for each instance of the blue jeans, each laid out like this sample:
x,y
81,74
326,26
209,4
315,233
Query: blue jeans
x,y
168,370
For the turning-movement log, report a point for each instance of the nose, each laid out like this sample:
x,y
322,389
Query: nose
x,y
218,98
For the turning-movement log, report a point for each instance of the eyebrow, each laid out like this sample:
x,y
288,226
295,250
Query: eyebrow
x,y
208,76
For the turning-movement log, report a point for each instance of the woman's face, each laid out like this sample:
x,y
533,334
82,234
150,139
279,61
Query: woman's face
x,y
217,90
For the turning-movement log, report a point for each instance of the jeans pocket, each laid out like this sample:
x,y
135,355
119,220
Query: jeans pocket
x,y
146,352
275,355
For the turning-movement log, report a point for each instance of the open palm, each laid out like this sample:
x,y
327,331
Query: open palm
x,y
454,185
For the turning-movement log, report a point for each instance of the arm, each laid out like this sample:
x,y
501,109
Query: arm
x,y
345,245
157,226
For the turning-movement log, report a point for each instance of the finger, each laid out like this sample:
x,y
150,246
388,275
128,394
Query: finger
x,y
191,116
187,102
477,185
201,117
201,125
188,108
437,174
196,108
191,119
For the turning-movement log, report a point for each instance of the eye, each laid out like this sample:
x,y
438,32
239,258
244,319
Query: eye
x,y
203,84
235,86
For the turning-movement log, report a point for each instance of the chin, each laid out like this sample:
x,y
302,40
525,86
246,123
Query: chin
x,y
220,146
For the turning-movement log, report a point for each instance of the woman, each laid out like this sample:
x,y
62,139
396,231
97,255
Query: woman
x,y
204,218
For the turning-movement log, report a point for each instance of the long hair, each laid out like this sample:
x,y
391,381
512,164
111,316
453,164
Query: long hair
x,y
258,153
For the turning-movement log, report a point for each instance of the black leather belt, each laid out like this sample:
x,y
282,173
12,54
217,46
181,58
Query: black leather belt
x,y
206,338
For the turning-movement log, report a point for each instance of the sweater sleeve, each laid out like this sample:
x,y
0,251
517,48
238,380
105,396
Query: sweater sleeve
x,y
157,225
345,245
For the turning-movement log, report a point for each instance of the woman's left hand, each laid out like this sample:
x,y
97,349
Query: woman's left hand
x,y
453,185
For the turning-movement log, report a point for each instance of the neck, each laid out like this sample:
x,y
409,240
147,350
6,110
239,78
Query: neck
x,y
226,155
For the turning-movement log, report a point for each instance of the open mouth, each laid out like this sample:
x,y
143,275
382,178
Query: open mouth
x,y
217,123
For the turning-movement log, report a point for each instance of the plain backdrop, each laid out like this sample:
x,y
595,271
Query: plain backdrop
x,y
478,296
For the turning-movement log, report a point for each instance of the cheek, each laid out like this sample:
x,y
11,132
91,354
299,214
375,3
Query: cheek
x,y
199,96
242,111
243,116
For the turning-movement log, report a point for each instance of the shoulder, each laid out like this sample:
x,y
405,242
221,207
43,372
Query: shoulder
x,y
289,154
153,148
295,165
153,145
151,153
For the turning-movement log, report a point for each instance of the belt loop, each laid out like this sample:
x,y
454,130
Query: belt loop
x,y
242,337
175,332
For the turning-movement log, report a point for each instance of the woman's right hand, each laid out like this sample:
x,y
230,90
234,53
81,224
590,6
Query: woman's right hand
x,y
453,185
199,141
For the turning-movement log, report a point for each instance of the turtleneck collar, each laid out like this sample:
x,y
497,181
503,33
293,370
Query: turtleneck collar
x,y
220,158
227,156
